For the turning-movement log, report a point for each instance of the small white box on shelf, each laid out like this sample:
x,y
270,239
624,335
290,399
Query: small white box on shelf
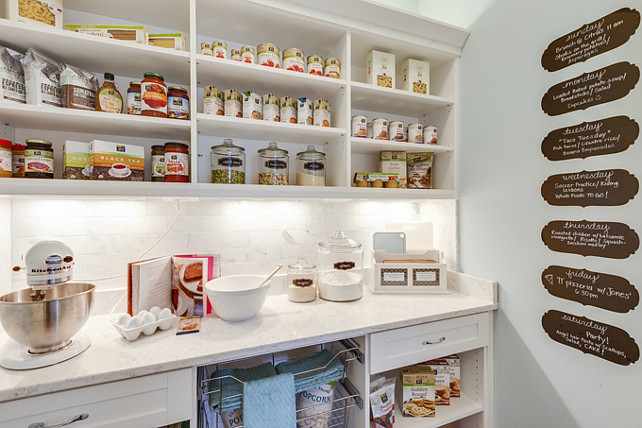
x,y
409,272
416,76
381,69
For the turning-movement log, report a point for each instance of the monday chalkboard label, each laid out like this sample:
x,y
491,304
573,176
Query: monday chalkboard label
x,y
591,337
602,137
591,238
590,89
592,39
607,187
602,290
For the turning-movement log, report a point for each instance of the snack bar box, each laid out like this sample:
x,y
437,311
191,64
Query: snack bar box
x,y
409,273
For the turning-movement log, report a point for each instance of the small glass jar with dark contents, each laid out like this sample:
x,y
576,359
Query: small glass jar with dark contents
x,y
39,159
176,162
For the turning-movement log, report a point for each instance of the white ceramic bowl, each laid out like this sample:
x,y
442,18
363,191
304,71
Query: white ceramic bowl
x,y
237,298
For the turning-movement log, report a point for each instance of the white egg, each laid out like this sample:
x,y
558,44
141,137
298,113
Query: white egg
x,y
165,313
148,318
142,313
123,320
135,322
155,311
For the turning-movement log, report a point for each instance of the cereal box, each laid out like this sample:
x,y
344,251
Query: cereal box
x,y
252,105
418,391
46,12
416,76
441,368
233,103
304,111
394,163
455,375
381,69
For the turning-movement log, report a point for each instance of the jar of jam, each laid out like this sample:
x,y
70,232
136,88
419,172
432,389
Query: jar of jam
x,y
176,162
153,95
18,160
39,159
133,98
158,163
177,103
6,157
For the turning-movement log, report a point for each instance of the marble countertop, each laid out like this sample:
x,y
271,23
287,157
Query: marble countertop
x,y
280,325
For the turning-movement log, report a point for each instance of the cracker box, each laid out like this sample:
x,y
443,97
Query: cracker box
x,y
41,12
321,113
213,101
129,33
394,163
252,105
116,162
419,170
174,41
380,70
455,375
441,368
76,161
304,111
233,103
416,76
418,391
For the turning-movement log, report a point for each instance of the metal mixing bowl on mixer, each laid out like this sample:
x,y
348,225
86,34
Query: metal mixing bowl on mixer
x,y
46,324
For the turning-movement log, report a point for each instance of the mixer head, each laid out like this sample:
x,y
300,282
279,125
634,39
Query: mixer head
x,y
48,263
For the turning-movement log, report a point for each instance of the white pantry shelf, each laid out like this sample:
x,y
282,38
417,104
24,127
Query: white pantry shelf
x,y
459,408
371,146
375,98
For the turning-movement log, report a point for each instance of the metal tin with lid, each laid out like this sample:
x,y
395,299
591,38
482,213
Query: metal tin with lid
x,y
228,163
273,165
340,268
310,167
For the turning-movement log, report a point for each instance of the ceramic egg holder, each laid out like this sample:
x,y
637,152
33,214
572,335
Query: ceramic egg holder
x,y
146,322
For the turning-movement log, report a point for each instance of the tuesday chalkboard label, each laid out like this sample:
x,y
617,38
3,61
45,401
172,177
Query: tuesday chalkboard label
x,y
592,39
608,187
591,337
602,137
590,89
591,238
610,292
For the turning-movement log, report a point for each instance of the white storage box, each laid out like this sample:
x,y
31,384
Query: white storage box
x,y
42,12
416,76
380,70
409,272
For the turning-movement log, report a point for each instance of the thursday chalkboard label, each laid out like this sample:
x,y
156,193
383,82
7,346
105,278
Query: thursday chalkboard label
x,y
598,289
608,187
591,238
590,89
602,137
592,39
591,337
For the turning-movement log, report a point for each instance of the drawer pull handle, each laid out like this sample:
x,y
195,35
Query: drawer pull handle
x,y
428,342
80,417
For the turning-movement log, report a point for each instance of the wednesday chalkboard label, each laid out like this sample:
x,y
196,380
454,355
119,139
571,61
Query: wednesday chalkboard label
x,y
590,89
591,238
608,187
592,39
602,137
591,337
598,289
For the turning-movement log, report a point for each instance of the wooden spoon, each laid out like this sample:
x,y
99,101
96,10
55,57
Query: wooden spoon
x,y
270,276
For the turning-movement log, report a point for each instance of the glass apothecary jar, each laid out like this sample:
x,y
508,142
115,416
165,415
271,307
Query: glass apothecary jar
x,y
302,281
310,167
228,163
340,268
273,165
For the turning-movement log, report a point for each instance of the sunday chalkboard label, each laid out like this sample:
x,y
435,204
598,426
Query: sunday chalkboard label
x,y
602,137
591,337
592,39
591,238
601,86
608,187
598,289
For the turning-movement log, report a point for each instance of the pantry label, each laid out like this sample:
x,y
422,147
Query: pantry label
x,y
601,86
591,238
602,137
609,187
598,289
591,337
591,40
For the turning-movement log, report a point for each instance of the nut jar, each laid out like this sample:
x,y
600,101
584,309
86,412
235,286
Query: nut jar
x,y
302,281
340,268
228,163
273,165
310,167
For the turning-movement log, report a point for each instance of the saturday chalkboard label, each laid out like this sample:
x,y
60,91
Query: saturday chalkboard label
x,y
591,337
592,39
601,86
591,238
598,289
608,187
602,137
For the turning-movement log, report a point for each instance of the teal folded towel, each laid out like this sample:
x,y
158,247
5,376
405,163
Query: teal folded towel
x,y
269,402
317,376
233,390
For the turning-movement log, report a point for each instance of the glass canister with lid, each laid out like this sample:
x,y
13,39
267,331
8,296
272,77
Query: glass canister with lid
x,y
273,165
228,163
340,268
302,281
310,167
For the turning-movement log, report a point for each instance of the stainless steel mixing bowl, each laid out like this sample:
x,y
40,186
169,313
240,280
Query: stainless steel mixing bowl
x,y
46,325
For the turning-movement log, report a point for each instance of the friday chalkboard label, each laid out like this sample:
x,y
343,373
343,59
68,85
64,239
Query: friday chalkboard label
x,y
598,289
590,89
592,39
608,187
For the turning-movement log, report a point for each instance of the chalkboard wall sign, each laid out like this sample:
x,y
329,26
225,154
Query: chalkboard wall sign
x,y
608,187
590,89
592,39
601,290
591,238
591,337
602,137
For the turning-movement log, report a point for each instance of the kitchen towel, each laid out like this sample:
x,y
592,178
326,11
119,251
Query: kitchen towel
x,y
313,371
232,390
269,402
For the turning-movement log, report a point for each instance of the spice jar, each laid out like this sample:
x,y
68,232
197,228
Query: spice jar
x,y
39,159
273,165
228,163
133,98
177,103
310,167
302,281
158,163
340,262
176,162
18,160
153,95
6,158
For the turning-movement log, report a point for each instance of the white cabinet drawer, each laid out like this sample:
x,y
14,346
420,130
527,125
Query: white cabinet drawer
x,y
147,401
393,349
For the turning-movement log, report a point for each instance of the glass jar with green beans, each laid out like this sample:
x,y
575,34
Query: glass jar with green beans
x,y
228,163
